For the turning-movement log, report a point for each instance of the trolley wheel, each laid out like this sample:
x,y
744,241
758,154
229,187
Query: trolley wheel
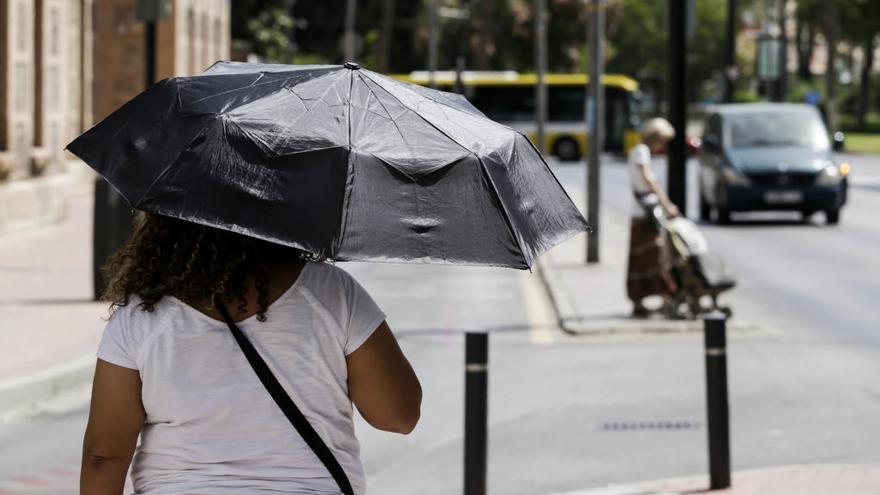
x,y
705,209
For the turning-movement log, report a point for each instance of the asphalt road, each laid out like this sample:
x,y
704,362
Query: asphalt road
x,y
803,388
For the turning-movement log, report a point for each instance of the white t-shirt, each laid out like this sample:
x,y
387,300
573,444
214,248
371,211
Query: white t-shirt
x,y
211,427
639,157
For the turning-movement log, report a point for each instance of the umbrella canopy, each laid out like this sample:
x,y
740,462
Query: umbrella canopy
x,y
335,160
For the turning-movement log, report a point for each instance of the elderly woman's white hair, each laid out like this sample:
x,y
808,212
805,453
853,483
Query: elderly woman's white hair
x,y
656,130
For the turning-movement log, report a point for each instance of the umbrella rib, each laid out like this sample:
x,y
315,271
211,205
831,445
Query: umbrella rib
x,y
254,84
506,213
350,86
400,132
251,85
165,170
589,227
441,131
405,86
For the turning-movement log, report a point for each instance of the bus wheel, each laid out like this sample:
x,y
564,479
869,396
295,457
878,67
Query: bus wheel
x,y
566,149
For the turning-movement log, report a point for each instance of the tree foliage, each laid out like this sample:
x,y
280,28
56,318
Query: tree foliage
x,y
499,34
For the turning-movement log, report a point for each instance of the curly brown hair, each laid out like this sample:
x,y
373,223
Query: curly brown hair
x,y
170,257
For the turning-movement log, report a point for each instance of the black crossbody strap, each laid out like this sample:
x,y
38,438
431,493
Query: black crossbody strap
x,y
287,406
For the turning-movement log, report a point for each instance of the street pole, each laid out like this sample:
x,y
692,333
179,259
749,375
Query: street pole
x,y
476,416
595,123
350,13
432,43
676,176
149,53
464,34
540,70
112,219
782,89
292,9
730,53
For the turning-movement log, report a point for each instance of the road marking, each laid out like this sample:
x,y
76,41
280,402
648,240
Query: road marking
x,y
538,308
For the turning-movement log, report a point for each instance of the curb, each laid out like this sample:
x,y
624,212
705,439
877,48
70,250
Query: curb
x,y
574,324
794,474
26,392
544,274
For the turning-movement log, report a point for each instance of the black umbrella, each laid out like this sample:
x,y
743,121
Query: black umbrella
x,y
335,160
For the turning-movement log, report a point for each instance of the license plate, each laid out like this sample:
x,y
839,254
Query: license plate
x,y
783,197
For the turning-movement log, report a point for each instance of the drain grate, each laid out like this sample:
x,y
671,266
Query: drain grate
x,y
650,425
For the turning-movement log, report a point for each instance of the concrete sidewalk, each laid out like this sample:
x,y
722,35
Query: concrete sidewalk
x,y
787,480
591,299
49,326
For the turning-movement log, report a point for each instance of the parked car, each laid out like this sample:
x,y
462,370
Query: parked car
x,y
769,156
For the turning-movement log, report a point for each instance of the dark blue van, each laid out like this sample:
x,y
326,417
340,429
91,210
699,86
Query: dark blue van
x,y
769,156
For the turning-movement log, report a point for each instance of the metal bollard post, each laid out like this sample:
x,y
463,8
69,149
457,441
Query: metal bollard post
x,y
715,330
475,412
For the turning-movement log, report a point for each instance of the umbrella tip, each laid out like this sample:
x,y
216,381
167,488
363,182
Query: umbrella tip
x,y
351,65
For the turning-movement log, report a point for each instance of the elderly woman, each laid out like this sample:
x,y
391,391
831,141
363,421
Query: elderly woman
x,y
648,273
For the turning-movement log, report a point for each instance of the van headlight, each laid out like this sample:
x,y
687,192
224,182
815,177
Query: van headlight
x,y
829,176
733,177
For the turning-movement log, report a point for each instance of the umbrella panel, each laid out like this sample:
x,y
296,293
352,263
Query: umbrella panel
x,y
435,219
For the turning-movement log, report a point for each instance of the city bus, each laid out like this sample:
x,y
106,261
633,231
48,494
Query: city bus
x,y
508,97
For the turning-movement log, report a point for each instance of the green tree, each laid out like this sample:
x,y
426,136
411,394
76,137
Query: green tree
x,y
638,44
862,21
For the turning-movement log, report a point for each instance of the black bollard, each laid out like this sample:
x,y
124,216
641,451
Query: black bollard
x,y
716,400
475,411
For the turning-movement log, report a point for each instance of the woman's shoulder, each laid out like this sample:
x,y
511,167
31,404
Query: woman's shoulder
x,y
135,319
128,328
325,274
331,284
639,154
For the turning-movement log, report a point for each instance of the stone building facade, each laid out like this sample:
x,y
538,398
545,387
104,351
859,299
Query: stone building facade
x,y
195,35
65,64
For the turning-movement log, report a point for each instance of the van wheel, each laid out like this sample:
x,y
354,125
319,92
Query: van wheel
x,y
832,217
566,149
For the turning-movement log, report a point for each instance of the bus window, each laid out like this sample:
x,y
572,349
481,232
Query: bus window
x,y
565,103
505,103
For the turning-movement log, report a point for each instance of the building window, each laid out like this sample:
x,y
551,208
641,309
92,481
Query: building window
x,y
191,31
54,141
218,39
21,25
52,83
54,28
207,52
22,146
22,83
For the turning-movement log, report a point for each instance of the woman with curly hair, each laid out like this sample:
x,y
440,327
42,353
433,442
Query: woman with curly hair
x,y
169,371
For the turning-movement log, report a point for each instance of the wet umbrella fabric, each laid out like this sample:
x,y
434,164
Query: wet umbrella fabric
x,y
335,160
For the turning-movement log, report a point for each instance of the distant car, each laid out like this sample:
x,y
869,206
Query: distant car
x,y
769,156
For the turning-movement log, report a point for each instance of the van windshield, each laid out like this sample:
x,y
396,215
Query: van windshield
x,y
801,128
